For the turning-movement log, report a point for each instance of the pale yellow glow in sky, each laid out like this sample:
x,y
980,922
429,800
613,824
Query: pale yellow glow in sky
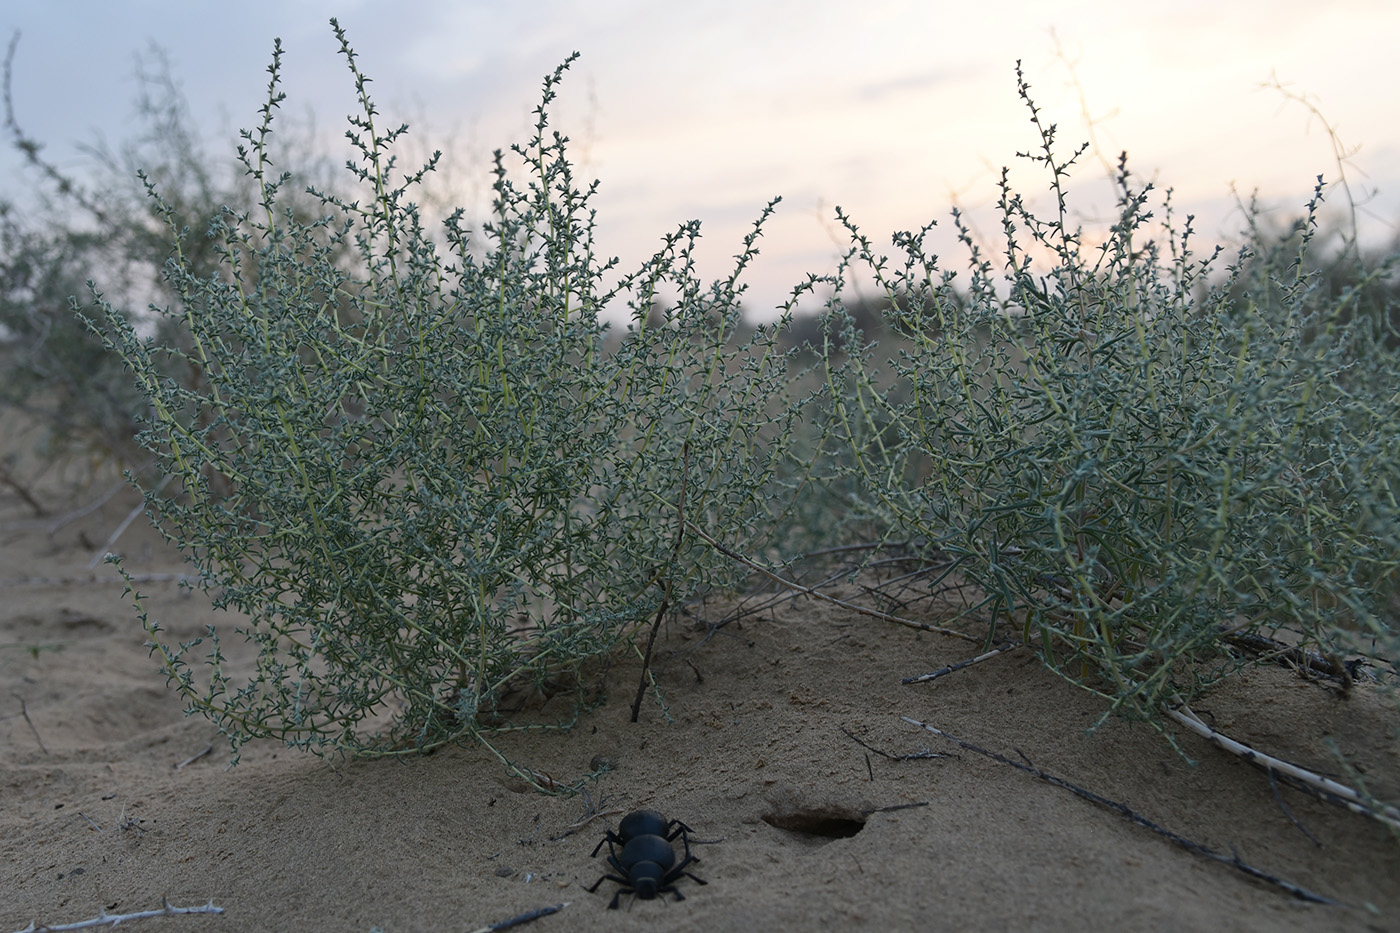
x,y
707,109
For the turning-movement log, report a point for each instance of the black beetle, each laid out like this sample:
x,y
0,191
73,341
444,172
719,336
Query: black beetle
x,y
642,823
646,865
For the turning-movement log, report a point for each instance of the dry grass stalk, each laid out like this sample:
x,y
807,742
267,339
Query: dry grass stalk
x,y
1326,788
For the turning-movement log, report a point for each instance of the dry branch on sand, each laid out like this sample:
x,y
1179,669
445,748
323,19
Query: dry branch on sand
x,y
104,919
1132,816
1323,787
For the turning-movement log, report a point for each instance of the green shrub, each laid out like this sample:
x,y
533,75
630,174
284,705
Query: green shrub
x,y
428,475
1129,462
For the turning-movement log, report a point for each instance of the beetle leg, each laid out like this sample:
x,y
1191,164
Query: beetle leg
x,y
610,838
688,857
622,881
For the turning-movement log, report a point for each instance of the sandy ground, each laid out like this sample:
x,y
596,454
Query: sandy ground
x,y
95,814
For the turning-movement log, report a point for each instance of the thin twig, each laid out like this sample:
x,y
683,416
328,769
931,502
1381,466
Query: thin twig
x,y
1330,789
934,675
125,822
1277,651
106,919
579,824
93,506
24,711
893,807
666,593
195,757
101,553
522,918
52,525
875,613
1278,799
771,600
585,820
923,570
8,480
913,756
847,548
1233,860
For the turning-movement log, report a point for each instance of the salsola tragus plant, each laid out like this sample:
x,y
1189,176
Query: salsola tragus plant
x,y
430,477
1136,466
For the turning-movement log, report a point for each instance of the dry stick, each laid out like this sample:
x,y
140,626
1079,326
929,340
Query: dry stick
x,y
91,507
106,919
1330,789
1315,783
666,594
1260,644
1278,799
809,591
24,711
1132,816
913,756
863,546
101,553
771,600
195,757
942,671
8,480
522,918
125,822
584,821
893,807
131,516
51,526
768,603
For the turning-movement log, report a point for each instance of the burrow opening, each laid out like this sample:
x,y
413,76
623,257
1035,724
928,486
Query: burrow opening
x,y
825,822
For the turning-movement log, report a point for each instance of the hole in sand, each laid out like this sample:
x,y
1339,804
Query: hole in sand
x,y
827,822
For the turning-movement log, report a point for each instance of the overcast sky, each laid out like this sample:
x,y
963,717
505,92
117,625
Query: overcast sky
x,y
893,110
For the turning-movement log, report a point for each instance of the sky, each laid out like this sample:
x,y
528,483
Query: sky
x,y
707,109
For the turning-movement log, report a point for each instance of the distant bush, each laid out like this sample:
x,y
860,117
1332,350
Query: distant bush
x,y
423,474
99,224
56,371
1130,462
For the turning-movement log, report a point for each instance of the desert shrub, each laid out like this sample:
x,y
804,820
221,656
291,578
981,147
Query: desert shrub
x,y
424,475
1132,461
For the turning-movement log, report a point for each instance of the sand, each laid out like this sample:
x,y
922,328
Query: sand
x,y
97,814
